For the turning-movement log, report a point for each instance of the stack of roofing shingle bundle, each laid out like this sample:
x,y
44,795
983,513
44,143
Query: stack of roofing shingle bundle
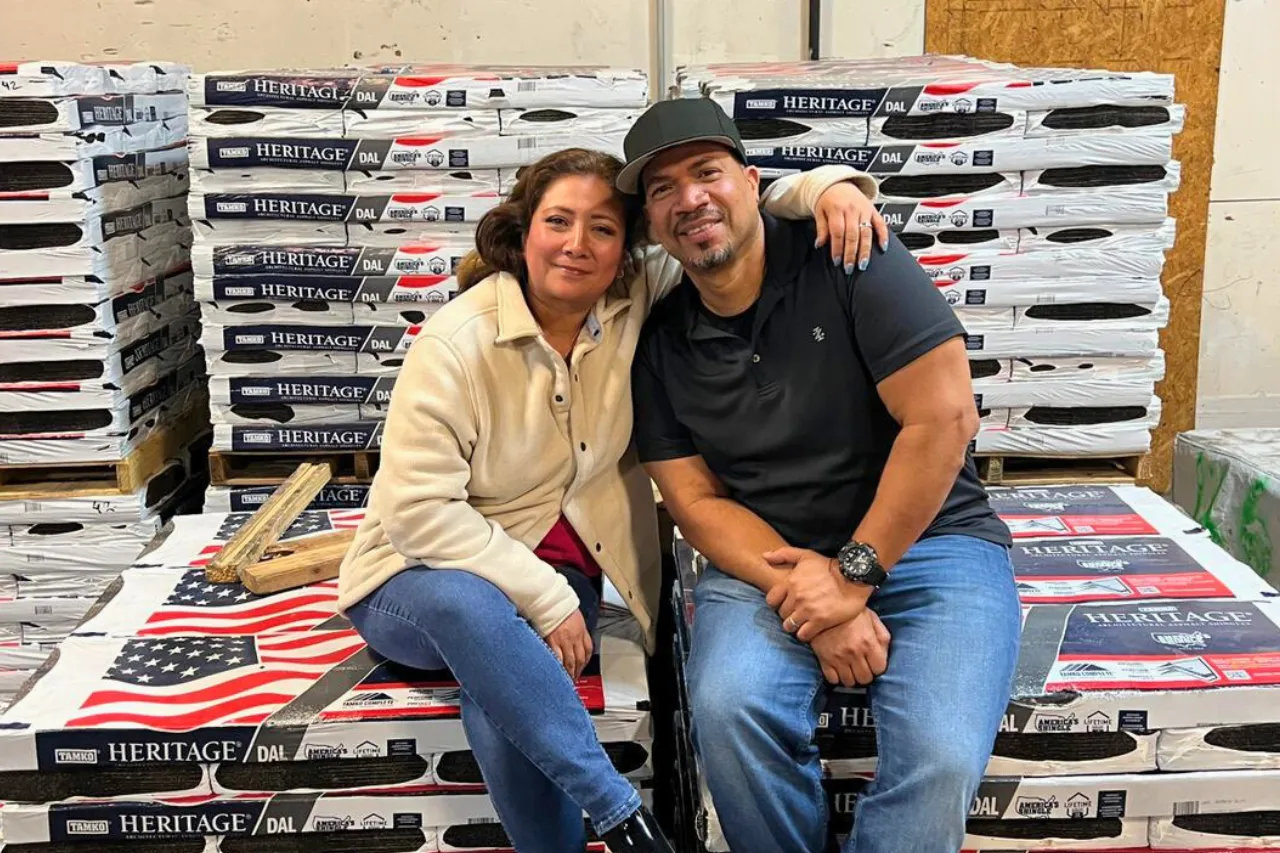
x,y
1036,198
1147,694
98,332
331,209
185,715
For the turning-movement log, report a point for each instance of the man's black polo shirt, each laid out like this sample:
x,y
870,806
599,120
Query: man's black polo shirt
x,y
788,417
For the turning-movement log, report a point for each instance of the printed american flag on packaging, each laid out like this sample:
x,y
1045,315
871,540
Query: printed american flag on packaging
x,y
174,602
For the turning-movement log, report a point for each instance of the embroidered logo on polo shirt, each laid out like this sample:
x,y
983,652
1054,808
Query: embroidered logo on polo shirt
x,y
818,334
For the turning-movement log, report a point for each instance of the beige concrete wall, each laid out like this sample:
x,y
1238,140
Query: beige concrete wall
x,y
228,34
1240,326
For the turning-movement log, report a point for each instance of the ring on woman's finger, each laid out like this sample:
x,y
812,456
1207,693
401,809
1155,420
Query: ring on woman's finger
x,y
864,224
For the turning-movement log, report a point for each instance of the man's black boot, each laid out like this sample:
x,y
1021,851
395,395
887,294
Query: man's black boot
x,y
637,834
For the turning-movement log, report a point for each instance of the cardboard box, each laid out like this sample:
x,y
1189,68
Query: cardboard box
x,y
1050,370
438,151
412,123
1084,340
1140,238
997,154
267,231
50,79
1064,393
1045,266
1075,510
946,127
44,207
146,136
1014,292
353,435
68,115
1129,206
921,86
249,498
399,207
556,120
81,726
278,363
1102,179
1058,319
1108,118
233,312
28,547
66,178
1113,440
1216,833
81,448
349,390
1130,568
311,337
217,122
418,259
441,86
285,414
266,179
1227,479
429,181
1069,417
109,415
329,289
907,189
981,321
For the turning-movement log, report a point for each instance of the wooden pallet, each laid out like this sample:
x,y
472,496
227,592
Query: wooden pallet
x,y
1044,471
229,468
50,481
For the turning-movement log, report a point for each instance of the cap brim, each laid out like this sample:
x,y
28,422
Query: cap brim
x,y
628,180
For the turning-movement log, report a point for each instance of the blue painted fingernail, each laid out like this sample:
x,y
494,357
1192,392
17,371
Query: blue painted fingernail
x,y
835,262
863,264
848,269
817,244
884,247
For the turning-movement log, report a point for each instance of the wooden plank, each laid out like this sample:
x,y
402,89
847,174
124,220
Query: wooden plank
x,y
266,525
1182,37
298,563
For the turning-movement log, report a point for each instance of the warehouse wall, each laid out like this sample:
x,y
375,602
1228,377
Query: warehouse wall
x,y
1240,327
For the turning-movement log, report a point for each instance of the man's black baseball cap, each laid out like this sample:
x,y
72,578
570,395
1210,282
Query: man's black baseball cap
x,y
667,124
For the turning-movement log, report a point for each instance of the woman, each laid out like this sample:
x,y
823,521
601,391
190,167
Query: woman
x,y
507,488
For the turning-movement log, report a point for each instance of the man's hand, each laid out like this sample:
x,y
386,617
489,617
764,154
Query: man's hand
x,y
855,652
570,642
814,597
851,221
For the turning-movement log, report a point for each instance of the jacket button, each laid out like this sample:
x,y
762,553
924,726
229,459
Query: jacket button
x,y
583,445
599,547
559,399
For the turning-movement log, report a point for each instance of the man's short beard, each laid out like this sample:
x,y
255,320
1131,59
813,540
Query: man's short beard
x,y
712,259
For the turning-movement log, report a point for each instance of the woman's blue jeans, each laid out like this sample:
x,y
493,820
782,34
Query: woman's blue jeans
x,y
527,727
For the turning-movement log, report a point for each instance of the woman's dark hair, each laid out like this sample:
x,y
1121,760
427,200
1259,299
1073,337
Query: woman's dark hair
x,y
501,231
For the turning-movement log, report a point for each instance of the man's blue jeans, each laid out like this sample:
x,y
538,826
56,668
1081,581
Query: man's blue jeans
x,y
528,729
755,691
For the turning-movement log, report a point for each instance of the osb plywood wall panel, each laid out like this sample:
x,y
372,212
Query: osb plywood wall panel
x,y
1183,37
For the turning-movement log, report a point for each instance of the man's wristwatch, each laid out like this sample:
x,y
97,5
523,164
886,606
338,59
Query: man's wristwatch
x,y
859,563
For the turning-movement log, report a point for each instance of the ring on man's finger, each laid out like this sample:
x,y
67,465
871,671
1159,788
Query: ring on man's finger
x,y
791,624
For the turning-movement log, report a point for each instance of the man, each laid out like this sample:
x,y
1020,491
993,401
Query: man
x,y
808,428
